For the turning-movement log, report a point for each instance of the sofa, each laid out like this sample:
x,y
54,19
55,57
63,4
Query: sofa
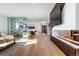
x,y
6,41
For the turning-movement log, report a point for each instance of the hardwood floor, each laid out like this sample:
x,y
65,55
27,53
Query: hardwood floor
x,y
43,47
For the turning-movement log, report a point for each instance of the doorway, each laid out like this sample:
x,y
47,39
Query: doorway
x,y
44,29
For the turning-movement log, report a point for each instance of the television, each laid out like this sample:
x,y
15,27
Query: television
x,y
56,14
31,27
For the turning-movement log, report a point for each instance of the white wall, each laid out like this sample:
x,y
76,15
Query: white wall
x,y
38,24
68,17
3,24
77,16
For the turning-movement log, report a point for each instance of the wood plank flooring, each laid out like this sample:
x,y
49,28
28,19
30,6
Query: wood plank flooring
x,y
43,47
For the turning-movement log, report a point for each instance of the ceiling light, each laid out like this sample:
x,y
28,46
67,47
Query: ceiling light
x,y
35,13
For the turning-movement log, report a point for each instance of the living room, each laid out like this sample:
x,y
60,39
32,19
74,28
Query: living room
x,y
20,21
28,28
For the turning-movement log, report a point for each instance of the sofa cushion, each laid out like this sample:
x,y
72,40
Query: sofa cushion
x,y
2,40
8,37
2,34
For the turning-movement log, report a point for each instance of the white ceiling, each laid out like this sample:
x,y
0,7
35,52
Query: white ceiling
x,y
33,11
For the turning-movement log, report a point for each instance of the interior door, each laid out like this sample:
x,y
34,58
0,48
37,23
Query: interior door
x,y
44,29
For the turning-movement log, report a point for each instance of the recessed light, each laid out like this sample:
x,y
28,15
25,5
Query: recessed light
x,y
35,13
